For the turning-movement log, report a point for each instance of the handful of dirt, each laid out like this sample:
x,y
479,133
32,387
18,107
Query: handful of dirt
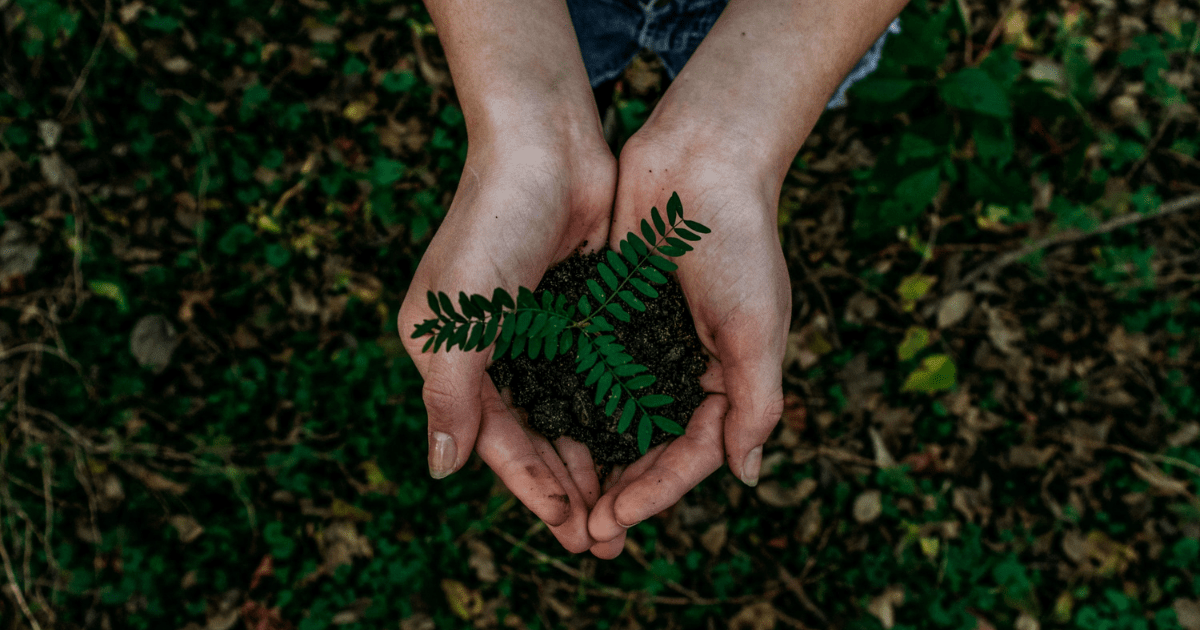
x,y
663,338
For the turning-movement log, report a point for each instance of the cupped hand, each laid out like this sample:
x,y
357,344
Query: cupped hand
x,y
737,288
521,206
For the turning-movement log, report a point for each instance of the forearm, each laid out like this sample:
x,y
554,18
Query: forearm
x,y
516,67
757,84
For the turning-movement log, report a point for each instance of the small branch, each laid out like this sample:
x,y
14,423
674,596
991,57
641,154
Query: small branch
x,y
808,275
797,589
16,590
1073,235
79,82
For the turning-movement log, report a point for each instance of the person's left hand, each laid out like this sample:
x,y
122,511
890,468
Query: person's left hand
x,y
737,287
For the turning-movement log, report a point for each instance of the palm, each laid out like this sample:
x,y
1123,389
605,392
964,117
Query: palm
x,y
511,219
737,288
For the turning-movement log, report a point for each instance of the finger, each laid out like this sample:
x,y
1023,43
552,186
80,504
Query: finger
x,y
681,467
609,549
579,463
507,449
713,379
571,534
602,524
453,382
754,384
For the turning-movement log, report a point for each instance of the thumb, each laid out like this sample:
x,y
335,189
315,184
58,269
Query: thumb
x,y
452,401
754,386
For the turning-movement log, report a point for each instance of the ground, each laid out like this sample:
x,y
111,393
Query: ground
x,y
211,214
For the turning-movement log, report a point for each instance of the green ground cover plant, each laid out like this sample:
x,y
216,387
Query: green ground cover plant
x,y
209,214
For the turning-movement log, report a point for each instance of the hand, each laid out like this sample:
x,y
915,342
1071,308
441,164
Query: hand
x,y
736,285
522,205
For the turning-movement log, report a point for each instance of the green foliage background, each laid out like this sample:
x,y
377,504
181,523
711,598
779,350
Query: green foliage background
x,y
265,175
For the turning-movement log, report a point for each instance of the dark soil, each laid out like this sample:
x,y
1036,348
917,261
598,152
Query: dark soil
x,y
662,338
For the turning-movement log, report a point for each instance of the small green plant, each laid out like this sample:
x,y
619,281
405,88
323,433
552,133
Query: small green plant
x,y
549,326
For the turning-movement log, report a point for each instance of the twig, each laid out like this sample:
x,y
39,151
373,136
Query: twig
x,y
616,593
87,68
12,584
1072,235
808,275
1148,457
797,589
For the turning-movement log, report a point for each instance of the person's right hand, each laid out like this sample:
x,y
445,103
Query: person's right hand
x,y
525,201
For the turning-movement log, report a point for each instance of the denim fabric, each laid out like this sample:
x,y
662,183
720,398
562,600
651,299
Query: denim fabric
x,y
612,32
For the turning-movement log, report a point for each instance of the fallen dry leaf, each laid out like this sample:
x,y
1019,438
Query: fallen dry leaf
x,y
868,506
153,341
189,528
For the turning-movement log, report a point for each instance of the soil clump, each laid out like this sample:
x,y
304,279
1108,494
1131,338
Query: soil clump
x,y
663,338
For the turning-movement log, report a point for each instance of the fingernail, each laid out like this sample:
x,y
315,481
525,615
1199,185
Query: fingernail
x,y
624,525
442,454
751,466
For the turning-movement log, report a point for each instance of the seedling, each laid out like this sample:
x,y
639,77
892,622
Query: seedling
x,y
547,325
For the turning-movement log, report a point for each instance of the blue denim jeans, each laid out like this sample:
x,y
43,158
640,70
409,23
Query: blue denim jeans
x,y
612,32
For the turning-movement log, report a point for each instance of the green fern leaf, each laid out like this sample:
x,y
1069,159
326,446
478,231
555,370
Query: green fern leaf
x,y
501,299
448,308
674,208
671,251
433,303
585,346
585,307
668,425
533,347
638,244
644,288
618,359
550,348
607,275
606,380
662,263
594,375
525,298
597,292
627,415
585,362
489,333
564,342
460,336
617,311
632,301
523,321
443,336
652,275
647,232
644,380
629,369
659,226
650,401
697,227
518,346
618,265
482,304
428,344
611,406
601,324
644,428
539,322
424,328
547,300
506,334
674,242
468,307
687,234
475,336
628,252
